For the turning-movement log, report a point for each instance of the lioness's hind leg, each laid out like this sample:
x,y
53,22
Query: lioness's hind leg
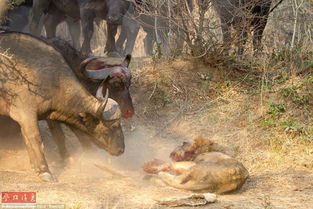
x,y
184,181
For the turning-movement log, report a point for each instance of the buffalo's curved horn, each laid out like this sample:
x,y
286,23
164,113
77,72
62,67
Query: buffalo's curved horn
x,y
103,103
127,60
84,63
99,74
112,111
99,93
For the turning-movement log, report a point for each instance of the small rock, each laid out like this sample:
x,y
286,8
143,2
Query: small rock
x,y
190,200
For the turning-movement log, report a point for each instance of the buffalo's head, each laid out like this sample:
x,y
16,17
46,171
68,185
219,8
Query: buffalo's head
x,y
115,78
105,129
116,10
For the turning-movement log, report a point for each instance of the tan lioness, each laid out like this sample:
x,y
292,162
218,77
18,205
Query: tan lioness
x,y
200,168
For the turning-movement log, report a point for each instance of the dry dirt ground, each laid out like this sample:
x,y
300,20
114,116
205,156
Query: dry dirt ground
x,y
163,120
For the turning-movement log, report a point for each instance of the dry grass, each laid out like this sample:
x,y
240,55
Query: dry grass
x,y
232,108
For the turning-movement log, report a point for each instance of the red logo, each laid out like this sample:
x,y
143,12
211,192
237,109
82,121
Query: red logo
x,y
18,197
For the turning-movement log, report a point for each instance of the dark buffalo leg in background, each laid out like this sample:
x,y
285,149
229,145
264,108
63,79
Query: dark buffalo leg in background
x,y
87,18
259,23
110,47
121,39
179,40
131,38
74,29
52,20
39,6
157,31
55,17
149,42
151,39
180,11
129,32
163,35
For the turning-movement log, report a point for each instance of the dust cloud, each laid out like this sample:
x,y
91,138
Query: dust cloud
x,y
140,147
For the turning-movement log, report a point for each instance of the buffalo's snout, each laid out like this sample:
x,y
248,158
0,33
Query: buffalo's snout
x,y
118,152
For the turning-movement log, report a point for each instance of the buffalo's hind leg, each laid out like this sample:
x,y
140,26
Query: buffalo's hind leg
x,y
257,36
227,39
53,19
149,42
242,34
121,40
34,144
37,12
132,32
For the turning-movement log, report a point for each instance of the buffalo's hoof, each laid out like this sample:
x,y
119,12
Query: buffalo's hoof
x,y
113,54
47,177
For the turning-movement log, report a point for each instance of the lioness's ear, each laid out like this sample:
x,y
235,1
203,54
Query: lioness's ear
x,y
201,141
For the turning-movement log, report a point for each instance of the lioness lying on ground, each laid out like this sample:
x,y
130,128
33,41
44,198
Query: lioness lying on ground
x,y
200,167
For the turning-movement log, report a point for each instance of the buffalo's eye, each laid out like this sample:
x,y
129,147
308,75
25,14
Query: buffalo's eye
x,y
118,85
112,124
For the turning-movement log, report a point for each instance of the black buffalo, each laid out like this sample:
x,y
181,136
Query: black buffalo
x,y
85,10
242,15
155,18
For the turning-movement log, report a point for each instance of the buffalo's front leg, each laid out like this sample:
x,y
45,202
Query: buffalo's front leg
x,y
58,137
82,137
129,34
34,144
74,28
110,44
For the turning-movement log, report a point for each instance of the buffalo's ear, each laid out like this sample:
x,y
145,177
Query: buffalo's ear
x,y
127,60
82,117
